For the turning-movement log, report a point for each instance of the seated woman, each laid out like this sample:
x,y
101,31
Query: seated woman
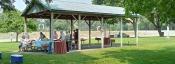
x,y
42,42
23,44
29,41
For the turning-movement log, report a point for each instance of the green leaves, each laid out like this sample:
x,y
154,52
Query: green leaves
x,y
61,25
162,8
13,22
118,3
7,5
157,12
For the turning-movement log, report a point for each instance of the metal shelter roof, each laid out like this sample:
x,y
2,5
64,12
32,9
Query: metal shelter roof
x,y
64,9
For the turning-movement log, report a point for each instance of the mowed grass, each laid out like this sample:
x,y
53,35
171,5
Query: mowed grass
x,y
152,50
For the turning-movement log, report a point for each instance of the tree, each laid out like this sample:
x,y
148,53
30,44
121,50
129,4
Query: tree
x,y
61,25
13,22
118,3
158,12
7,5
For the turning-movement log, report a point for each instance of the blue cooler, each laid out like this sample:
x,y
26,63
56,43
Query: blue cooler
x,y
16,59
0,55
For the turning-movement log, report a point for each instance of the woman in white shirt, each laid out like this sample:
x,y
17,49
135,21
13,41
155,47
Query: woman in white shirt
x,y
62,36
55,35
23,43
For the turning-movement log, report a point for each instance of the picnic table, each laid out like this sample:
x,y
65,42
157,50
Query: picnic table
x,y
107,40
83,39
98,39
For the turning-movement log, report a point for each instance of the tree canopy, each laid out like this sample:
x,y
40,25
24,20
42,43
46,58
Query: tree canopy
x,y
118,3
7,5
13,22
158,12
30,1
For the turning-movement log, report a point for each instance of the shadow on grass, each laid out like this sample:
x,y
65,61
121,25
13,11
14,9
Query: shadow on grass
x,y
70,58
164,56
118,56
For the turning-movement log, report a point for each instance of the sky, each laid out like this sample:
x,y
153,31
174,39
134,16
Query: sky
x,y
20,5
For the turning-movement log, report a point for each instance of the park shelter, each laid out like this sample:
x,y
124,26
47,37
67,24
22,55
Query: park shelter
x,y
72,11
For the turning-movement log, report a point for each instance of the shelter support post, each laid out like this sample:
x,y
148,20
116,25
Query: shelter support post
x,y
136,31
89,32
71,31
104,25
121,32
51,29
89,24
79,39
168,30
25,25
102,34
51,26
109,30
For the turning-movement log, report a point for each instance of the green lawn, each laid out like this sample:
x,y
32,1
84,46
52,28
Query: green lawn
x,y
153,50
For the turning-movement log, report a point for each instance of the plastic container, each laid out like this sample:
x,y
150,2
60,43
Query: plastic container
x,y
106,41
16,59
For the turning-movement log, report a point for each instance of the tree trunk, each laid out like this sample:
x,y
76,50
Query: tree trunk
x,y
161,34
159,26
17,34
133,22
134,27
155,20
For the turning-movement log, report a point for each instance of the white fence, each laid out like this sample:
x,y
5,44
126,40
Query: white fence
x,y
7,37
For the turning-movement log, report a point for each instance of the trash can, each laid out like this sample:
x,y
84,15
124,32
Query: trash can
x,y
60,47
16,59
0,55
162,34
106,41
112,40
